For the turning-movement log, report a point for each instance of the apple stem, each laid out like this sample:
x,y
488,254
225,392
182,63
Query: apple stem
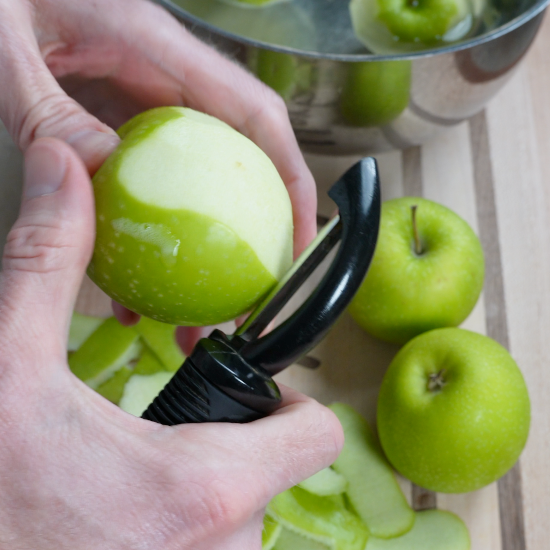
x,y
437,381
417,243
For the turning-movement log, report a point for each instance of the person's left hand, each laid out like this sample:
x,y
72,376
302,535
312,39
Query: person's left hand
x,y
116,59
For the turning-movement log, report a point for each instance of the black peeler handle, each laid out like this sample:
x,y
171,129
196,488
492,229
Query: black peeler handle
x,y
357,195
228,378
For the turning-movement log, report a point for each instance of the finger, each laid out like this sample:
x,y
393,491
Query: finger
x,y
125,316
299,439
232,95
49,246
187,337
212,84
269,455
32,104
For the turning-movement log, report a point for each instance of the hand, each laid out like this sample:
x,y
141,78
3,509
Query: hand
x,y
116,59
76,471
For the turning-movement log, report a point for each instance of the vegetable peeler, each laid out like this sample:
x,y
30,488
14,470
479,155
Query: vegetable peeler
x,y
228,378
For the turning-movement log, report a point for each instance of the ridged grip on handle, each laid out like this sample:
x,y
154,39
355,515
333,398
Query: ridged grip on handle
x,y
357,195
214,384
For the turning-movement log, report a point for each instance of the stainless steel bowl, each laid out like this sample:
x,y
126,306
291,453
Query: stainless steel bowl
x,y
343,99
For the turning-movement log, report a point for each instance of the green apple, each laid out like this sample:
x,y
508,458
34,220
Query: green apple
x,y
194,224
388,26
375,92
427,272
453,411
433,530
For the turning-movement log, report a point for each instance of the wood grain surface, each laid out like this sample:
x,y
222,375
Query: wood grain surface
x,y
494,170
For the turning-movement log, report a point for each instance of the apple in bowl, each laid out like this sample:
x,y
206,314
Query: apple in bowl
x,y
194,224
392,26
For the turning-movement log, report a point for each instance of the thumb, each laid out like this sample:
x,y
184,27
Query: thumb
x,y
49,246
33,105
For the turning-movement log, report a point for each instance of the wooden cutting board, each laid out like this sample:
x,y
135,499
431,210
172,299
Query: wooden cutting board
x,y
495,172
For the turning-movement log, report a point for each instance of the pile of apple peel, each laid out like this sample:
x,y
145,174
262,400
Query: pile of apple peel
x,y
129,366
357,504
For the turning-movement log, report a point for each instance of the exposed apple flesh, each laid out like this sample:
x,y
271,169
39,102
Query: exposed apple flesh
x,y
372,488
433,530
194,224
141,390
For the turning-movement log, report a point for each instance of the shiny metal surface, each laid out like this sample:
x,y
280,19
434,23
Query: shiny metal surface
x,y
343,99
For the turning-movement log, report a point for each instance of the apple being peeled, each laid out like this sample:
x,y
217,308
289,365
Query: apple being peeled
x,y
427,272
389,26
194,224
453,411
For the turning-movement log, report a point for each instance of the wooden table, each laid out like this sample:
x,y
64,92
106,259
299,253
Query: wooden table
x,y
495,172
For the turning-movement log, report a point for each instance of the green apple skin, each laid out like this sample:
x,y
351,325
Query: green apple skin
x,y
390,26
375,93
194,225
323,519
462,435
420,20
405,294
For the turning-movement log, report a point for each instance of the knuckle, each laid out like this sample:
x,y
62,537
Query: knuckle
x,y
220,507
276,109
269,109
39,249
52,115
209,501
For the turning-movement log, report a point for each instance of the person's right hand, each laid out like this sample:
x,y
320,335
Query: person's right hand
x,y
76,472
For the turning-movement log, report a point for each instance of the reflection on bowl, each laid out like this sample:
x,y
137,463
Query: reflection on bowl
x,y
341,98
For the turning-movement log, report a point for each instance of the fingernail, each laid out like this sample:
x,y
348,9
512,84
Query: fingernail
x,y
45,169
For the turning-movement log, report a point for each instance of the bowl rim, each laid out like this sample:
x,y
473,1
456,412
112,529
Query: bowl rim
x,y
511,25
